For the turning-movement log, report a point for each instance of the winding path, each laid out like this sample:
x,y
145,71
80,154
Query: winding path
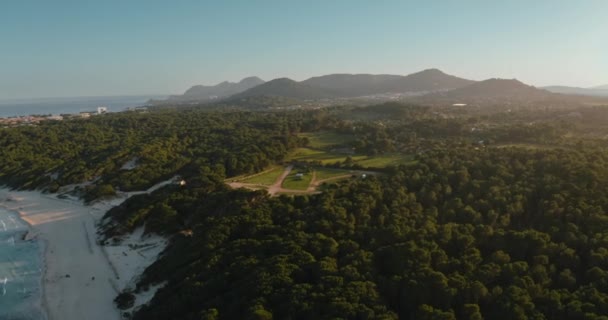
x,y
276,188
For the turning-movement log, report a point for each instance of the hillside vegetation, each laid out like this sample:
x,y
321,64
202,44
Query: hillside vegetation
x,y
470,213
501,234
164,144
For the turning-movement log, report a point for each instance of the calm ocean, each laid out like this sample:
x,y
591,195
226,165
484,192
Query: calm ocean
x,y
20,271
56,106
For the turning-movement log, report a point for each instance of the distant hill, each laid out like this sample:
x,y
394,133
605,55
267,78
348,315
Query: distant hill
x,y
222,90
285,87
495,89
431,85
328,86
257,103
601,91
353,85
431,80
565,89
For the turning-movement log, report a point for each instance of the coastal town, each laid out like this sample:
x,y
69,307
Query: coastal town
x,y
28,120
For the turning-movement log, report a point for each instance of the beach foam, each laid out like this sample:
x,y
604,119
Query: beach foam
x,y
80,278
20,270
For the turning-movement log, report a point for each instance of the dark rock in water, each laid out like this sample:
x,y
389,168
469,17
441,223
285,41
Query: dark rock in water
x,y
67,275
29,235
125,300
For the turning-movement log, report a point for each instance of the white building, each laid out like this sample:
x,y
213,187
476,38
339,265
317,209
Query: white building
x,y
102,110
56,118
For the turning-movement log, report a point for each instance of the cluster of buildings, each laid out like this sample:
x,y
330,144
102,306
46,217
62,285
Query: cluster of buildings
x,y
26,120
88,114
36,119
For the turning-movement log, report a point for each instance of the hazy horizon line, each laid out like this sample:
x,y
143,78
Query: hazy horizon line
x,y
298,79
83,97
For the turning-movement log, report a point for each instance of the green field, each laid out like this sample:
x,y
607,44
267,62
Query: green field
x,y
385,161
327,173
325,157
291,182
307,154
529,146
266,178
325,139
320,143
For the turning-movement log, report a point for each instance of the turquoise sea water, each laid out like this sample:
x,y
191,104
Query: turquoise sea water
x,y
20,271
56,106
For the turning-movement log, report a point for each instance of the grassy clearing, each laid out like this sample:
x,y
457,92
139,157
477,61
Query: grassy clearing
x,y
307,154
294,183
327,173
326,139
267,178
325,157
255,188
383,161
529,146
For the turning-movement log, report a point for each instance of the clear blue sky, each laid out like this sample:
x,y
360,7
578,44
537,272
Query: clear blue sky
x,y
81,48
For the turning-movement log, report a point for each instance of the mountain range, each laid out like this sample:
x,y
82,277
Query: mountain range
x,y
601,91
219,91
355,85
430,85
496,89
328,86
285,87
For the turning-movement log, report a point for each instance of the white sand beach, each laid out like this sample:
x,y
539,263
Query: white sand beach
x,y
81,278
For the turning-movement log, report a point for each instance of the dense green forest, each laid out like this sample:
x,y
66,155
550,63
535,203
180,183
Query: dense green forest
x,y
496,234
501,215
162,144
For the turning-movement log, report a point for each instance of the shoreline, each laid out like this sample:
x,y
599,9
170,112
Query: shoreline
x,y
42,250
43,303
80,278
40,304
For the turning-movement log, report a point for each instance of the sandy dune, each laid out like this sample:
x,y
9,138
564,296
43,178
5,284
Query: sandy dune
x,y
81,279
